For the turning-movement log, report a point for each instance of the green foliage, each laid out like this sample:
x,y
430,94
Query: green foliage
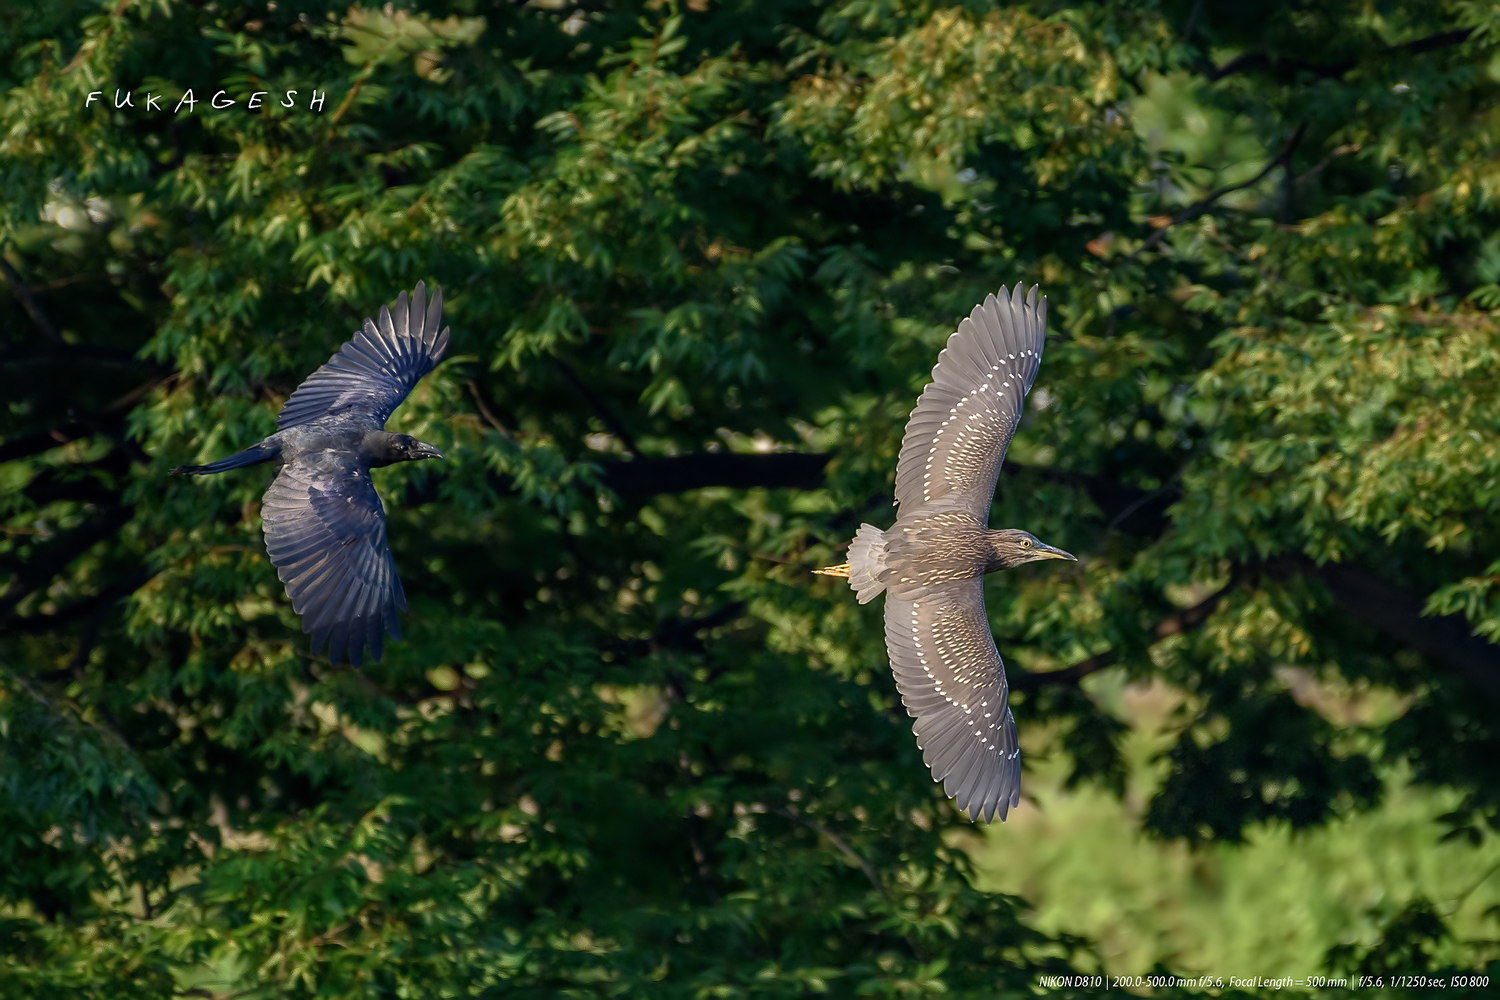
x,y
1318,899
699,259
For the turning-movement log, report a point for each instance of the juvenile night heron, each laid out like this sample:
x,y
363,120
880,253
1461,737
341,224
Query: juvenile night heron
x,y
323,521
931,563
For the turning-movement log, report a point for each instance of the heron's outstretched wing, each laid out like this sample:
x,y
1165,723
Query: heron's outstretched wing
x,y
373,372
953,683
957,435
325,532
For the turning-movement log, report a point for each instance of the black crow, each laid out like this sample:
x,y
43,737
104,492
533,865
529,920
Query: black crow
x,y
324,525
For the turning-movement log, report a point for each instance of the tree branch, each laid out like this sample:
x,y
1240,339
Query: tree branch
x,y
647,477
1129,508
107,422
1137,511
96,603
485,411
39,570
22,292
1143,513
1447,640
679,633
604,413
840,845
1174,624
1203,205
1291,70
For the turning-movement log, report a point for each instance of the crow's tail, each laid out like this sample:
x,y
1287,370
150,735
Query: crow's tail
x,y
250,456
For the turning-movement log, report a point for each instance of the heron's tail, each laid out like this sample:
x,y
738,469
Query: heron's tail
x,y
250,456
866,563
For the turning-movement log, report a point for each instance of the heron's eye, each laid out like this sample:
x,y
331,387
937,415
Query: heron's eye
x,y
1025,543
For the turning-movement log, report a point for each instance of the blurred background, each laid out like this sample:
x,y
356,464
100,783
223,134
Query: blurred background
x,y
699,260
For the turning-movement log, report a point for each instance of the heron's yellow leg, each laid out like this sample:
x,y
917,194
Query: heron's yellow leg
x,y
842,569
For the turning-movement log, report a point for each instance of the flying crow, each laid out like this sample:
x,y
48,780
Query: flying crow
x,y
323,522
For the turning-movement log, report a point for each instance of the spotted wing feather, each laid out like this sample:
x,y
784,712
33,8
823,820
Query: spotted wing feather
x,y
953,683
957,436
374,371
325,532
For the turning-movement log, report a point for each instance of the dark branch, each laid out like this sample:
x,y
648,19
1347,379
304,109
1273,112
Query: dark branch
x,y
604,413
51,559
485,410
1292,70
840,845
1447,640
1137,511
647,477
35,444
1143,513
679,634
108,423
1205,204
81,482
100,603
1025,680
1174,624
22,292
1128,508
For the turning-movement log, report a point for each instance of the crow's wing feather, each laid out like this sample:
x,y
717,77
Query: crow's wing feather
x,y
957,435
373,372
953,683
325,532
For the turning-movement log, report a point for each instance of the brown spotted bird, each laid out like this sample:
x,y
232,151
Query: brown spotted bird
x,y
323,521
931,563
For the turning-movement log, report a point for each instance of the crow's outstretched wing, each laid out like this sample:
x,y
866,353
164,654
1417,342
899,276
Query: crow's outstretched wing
x,y
325,532
956,437
953,683
374,371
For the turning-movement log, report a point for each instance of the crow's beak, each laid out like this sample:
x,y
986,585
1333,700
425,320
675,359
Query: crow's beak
x,y
425,450
1048,552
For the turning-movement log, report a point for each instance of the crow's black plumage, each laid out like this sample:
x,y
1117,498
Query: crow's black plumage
x,y
931,563
323,522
